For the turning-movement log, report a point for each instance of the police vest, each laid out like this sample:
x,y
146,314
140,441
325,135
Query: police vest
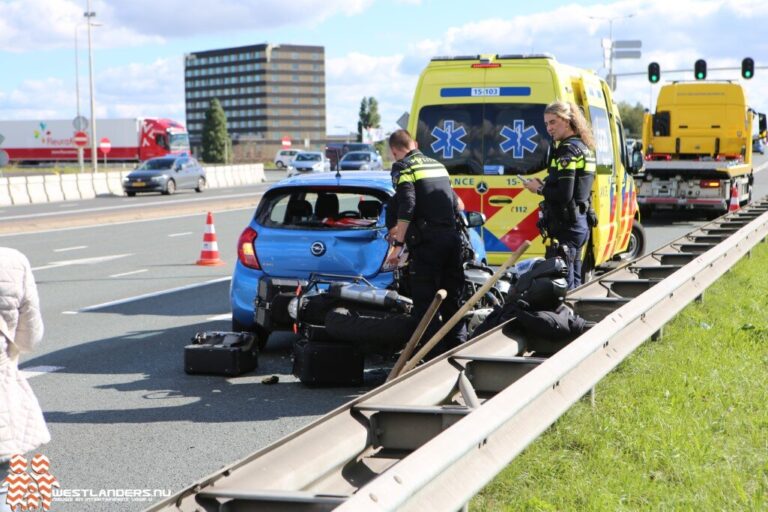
x,y
572,159
432,185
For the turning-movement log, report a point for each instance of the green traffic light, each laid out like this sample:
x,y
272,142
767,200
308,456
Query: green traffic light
x,y
747,74
699,76
654,78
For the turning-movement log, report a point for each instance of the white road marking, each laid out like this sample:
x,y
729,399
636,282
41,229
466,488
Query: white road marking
x,y
148,295
180,234
34,371
110,224
761,167
75,248
142,335
69,312
135,206
130,273
82,261
225,316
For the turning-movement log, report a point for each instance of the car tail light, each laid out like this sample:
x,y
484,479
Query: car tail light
x,y
246,250
709,183
486,65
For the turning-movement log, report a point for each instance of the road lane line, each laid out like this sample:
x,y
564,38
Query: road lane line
x,y
146,296
34,371
75,248
225,316
130,273
180,234
135,206
82,261
761,167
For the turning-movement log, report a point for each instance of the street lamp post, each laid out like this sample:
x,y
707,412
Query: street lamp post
x,y
77,93
94,157
610,21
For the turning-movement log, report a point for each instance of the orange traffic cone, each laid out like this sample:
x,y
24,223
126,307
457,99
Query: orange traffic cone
x,y
209,255
734,204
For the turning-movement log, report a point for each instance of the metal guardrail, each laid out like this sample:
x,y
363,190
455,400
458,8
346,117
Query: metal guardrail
x,y
433,437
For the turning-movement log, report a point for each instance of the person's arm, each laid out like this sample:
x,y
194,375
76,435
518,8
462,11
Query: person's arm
x,y
561,191
29,331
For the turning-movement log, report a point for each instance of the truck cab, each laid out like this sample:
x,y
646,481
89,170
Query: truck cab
x,y
482,117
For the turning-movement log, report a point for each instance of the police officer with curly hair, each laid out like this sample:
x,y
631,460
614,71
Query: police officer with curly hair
x,y
567,214
426,209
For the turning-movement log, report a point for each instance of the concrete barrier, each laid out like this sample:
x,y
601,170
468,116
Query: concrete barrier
x,y
212,176
5,194
227,174
115,182
18,189
85,186
36,189
69,187
100,186
53,188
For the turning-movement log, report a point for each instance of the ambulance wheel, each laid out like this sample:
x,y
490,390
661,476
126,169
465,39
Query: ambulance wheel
x,y
262,335
588,267
636,245
369,330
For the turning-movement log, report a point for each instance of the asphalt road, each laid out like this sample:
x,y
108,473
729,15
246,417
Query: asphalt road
x,y
120,301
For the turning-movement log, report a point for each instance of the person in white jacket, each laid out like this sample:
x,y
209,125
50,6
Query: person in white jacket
x,y
22,427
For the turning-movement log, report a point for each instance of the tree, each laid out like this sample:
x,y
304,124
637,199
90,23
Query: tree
x,y
632,118
216,143
368,117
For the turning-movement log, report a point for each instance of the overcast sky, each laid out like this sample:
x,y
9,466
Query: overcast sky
x,y
373,47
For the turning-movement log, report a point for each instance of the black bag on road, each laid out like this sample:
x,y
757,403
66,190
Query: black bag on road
x,y
221,353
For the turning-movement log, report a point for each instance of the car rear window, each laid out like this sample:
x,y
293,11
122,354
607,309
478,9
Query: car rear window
x,y
152,165
322,208
357,157
309,157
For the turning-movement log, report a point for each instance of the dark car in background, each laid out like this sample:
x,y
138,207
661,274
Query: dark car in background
x,y
360,161
166,175
336,150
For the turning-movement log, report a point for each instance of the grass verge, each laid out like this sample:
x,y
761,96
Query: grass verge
x,y
682,424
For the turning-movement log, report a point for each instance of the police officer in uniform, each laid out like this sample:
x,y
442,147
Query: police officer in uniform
x,y
426,215
567,190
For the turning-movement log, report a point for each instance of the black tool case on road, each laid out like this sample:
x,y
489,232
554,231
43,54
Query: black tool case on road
x,y
221,353
326,363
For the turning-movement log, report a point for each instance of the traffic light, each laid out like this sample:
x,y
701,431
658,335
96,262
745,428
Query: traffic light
x,y
700,69
654,72
747,68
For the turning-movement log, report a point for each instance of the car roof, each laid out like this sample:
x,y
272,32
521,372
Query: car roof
x,y
357,153
380,180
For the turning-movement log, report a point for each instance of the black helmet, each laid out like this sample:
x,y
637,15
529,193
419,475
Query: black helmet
x,y
544,293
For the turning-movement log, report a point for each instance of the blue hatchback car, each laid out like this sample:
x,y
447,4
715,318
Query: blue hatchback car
x,y
317,223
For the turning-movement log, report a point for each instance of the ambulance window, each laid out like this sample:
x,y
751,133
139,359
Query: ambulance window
x,y
603,140
452,135
516,138
494,139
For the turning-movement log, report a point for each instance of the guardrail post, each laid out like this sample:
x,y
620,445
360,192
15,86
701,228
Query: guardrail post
x,y
658,335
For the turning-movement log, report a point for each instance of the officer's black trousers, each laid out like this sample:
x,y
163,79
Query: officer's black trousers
x,y
573,238
435,264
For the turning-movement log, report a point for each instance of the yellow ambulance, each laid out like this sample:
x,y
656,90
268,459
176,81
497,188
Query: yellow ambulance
x,y
483,117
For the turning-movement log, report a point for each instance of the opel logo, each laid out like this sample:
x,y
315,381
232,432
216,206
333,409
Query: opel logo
x,y
317,248
482,187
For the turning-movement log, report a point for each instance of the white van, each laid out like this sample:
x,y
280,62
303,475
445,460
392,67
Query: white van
x,y
284,156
